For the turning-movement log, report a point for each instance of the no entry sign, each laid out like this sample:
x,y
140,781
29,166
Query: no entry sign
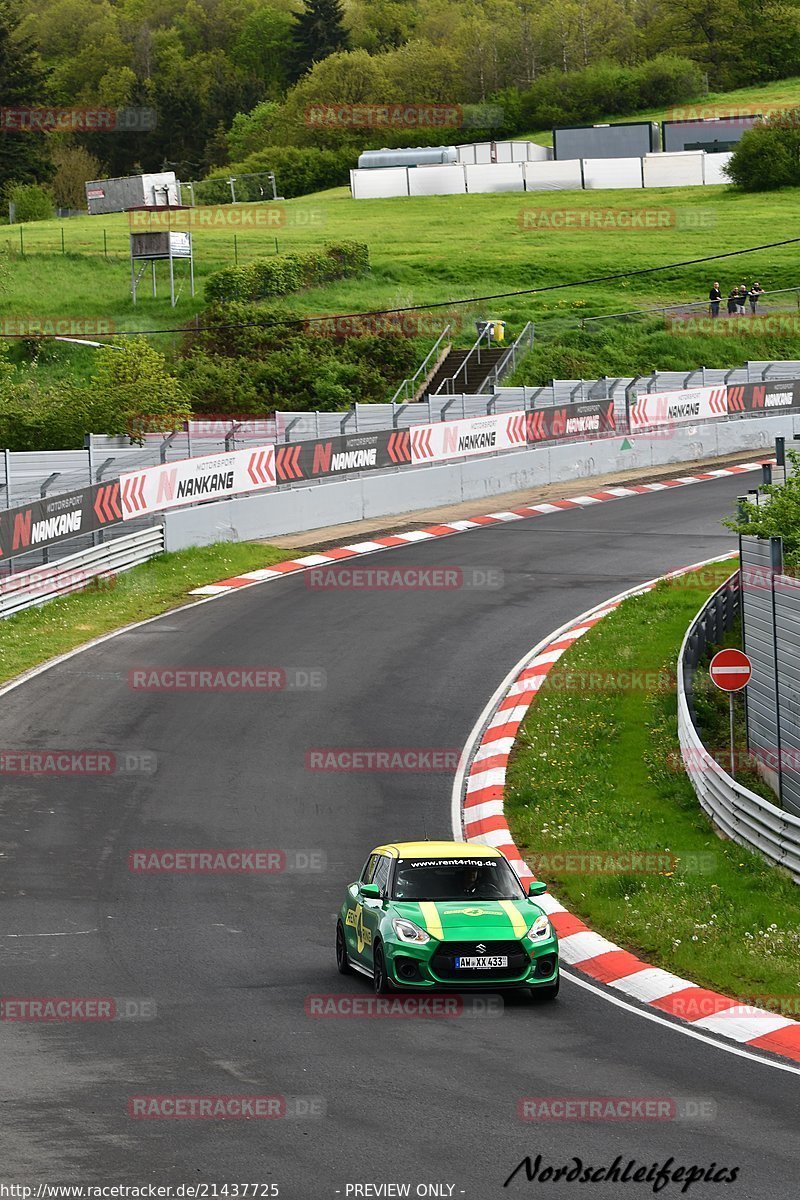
x,y
730,670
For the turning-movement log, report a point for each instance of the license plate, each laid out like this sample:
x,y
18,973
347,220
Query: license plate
x,y
480,962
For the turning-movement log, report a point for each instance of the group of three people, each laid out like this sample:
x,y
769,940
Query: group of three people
x,y
737,299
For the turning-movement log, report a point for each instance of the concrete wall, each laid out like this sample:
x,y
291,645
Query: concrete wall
x,y
484,480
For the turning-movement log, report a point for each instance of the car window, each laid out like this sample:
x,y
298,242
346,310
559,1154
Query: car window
x,y
367,873
381,876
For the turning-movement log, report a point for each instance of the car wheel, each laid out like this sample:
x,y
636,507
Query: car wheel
x,y
341,951
380,980
541,995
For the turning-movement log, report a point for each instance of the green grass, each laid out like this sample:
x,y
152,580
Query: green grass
x,y
436,250
596,771
39,634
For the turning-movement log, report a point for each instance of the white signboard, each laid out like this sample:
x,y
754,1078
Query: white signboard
x,y
192,479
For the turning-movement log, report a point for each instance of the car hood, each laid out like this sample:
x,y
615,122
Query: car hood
x,y
463,920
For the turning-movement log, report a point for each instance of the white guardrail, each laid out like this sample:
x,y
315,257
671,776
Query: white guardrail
x,y
78,571
738,813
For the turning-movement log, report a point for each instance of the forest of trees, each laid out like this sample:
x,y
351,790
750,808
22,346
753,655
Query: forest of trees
x,y
230,78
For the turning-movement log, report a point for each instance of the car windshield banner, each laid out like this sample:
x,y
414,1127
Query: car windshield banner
x,y
57,518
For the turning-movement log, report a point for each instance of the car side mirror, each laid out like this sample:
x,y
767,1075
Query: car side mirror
x,y
536,887
370,891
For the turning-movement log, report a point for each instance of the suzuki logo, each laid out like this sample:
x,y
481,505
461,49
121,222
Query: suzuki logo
x,y
481,948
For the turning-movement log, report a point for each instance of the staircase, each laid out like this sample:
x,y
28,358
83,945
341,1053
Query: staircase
x,y
469,381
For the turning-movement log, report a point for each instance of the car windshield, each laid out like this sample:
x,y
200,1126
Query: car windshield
x,y
455,879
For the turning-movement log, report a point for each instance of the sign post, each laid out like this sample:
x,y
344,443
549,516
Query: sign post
x,y
730,671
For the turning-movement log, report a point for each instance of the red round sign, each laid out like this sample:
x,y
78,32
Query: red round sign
x,y
730,670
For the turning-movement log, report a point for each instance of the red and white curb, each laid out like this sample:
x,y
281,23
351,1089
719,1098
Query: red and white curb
x,y
249,578
482,820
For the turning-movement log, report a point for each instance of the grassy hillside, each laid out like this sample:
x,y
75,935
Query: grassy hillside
x,y
436,250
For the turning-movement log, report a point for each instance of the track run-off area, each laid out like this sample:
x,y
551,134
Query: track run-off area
x,y
223,966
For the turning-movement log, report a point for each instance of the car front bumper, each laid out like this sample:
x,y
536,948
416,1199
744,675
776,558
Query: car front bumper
x,y
431,966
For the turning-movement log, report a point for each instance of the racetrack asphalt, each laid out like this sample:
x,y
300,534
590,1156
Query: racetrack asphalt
x,y
229,960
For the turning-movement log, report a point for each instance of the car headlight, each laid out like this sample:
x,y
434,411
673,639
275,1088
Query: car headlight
x,y
540,929
407,931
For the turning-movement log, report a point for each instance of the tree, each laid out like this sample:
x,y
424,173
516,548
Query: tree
x,y
777,514
74,166
23,81
768,156
318,31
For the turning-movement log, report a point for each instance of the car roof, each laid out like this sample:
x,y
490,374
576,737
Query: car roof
x,y
437,850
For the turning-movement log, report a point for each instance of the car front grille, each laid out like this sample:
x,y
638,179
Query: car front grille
x,y
443,961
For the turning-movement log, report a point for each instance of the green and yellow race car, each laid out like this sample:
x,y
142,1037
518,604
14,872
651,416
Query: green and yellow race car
x,y
454,915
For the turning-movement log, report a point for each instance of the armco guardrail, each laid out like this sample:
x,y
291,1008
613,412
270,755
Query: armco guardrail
x,y
737,812
74,573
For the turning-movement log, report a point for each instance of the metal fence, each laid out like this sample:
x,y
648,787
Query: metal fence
x,y
75,572
738,813
771,639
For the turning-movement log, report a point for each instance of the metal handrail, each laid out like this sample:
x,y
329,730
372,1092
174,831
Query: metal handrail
x,y
449,383
665,308
502,366
410,382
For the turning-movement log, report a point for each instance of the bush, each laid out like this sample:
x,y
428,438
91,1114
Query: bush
x,y
255,358
298,171
269,277
768,156
578,97
32,202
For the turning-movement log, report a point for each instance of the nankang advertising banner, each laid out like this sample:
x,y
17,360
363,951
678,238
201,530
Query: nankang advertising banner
x,y
775,395
214,477
57,518
458,439
340,455
583,419
685,407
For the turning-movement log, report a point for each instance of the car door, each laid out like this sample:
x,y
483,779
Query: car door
x,y
372,910
354,929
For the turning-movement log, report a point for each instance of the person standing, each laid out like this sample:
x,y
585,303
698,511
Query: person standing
x,y
715,295
733,302
755,291
742,298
